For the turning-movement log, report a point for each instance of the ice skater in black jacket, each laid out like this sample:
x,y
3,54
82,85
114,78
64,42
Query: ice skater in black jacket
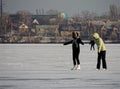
x,y
76,49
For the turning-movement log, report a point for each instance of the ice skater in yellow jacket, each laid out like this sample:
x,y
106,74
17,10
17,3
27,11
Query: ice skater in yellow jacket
x,y
101,51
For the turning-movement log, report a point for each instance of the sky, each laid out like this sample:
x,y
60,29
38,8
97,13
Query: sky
x,y
71,7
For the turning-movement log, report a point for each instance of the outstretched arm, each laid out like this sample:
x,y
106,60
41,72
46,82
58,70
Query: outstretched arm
x,y
80,41
69,42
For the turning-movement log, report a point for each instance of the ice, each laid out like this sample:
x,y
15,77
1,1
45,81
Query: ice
x,y
47,66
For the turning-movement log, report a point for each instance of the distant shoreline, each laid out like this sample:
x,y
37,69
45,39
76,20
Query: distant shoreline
x,y
85,41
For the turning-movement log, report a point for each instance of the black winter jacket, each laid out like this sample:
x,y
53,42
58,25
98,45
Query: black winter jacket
x,y
75,44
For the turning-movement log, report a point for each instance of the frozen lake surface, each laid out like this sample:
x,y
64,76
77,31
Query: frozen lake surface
x,y
47,66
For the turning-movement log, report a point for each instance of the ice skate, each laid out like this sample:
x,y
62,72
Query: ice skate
x,y
104,69
97,69
74,67
78,67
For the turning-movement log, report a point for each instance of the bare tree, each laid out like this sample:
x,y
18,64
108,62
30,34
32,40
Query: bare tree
x,y
24,17
113,11
52,12
86,14
37,12
93,14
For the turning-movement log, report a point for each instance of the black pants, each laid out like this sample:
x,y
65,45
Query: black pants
x,y
101,55
92,47
76,58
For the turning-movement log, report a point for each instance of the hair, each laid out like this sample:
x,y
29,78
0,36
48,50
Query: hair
x,y
77,34
74,35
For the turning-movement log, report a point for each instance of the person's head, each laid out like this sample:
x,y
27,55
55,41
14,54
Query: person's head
x,y
96,36
74,35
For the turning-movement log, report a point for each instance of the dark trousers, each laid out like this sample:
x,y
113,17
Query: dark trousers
x,y
92,47
76,58
101,56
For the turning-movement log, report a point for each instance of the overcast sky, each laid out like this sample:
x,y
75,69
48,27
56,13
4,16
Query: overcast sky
x,y
70,7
